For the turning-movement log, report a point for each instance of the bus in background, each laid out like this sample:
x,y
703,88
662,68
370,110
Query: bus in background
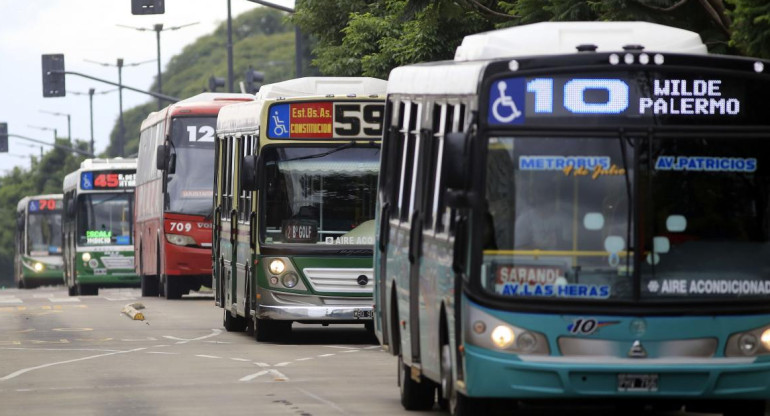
x,y
577,211
97,226
38,260
300,247
175,175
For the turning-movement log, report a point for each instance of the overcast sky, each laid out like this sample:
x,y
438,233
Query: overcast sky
x,y
87,30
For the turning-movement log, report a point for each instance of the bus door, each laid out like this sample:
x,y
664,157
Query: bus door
x,y
242,246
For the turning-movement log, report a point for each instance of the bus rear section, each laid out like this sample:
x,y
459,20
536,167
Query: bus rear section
x,y
295,195
593,227
38,247
174,195
98,226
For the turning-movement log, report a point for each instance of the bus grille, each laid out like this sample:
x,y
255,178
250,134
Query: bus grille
x,y
340,280
118,262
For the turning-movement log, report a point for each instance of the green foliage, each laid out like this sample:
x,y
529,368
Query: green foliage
x,y
751,27
261,39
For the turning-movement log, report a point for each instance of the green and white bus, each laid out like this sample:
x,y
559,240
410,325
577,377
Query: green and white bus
x,y
294,204
97,230
38,258
578,211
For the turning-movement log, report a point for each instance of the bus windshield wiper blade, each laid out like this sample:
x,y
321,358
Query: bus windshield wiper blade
x,y
344,146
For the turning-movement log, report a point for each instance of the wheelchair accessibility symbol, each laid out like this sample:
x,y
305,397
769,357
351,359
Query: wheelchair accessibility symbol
x,y
506,98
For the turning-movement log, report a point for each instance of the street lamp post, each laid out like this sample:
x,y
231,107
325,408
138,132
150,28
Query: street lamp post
x,y
69,124
157,28
55,135
91,92
121,127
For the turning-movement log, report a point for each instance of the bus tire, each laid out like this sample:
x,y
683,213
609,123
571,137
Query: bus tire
x,y
233,323
414,395
72,290
149,284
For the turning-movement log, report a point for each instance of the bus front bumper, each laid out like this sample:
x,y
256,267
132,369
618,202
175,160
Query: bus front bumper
x,y
496,375
339,314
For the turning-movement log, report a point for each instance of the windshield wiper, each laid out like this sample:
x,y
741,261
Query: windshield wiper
x,y
343,146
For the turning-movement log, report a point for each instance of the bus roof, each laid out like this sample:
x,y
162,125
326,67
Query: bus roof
x,y
461,76
204,103
22,205
244,117
117,163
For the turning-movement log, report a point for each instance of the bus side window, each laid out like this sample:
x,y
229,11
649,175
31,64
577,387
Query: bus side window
x,y
244,207
433,176
390,177
407,160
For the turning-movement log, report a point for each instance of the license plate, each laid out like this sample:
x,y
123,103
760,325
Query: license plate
x,y
637,382
362,313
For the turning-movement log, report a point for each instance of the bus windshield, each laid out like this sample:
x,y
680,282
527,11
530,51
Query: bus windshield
x,y
44,233
191,182
105,219
320,195
559,223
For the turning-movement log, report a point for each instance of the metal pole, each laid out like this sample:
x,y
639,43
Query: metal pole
x,y
158,29
69,130
91,106
229,49
297,51
121,127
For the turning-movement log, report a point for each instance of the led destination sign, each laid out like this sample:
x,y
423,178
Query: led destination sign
x,y
326,120
103,180
44,205
627,97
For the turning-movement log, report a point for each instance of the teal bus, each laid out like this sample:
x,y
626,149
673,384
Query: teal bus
x,y
97,230
294,197
577,211
38,246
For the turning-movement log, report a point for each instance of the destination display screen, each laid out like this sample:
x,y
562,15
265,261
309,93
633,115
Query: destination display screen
x,y
628,97
326,120
108,180
44,205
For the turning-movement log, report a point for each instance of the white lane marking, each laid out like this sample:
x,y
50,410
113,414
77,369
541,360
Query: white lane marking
x,y
113,299
373,347
277,375
214,333
207,356
139,339
9,300
162,352
337,346
26,370
350,351
340,411
262,364
304,359
64,300
326,355
241,359
60,349
161,346
282,364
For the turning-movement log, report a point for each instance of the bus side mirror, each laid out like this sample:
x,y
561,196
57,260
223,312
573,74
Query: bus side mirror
x,y
249,178
454,170
71,209
160,161
20,223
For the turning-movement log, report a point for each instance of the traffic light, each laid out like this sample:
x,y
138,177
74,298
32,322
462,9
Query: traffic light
x,y
215,82
53,82
148,7
253,80
3,137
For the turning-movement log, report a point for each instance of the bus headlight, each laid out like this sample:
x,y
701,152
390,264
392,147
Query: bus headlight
x,y
38,267
276,266
180,240
487,331
86,257
749,343
502,336
290,279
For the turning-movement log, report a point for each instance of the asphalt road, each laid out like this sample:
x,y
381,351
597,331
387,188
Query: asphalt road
x,y
62,355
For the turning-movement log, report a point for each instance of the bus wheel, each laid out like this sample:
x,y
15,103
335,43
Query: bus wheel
x,y
233,323
20,284
414,395
72,290
150,286
457,403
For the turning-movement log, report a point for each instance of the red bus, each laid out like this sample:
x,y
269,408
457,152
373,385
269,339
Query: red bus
x,y
174,182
